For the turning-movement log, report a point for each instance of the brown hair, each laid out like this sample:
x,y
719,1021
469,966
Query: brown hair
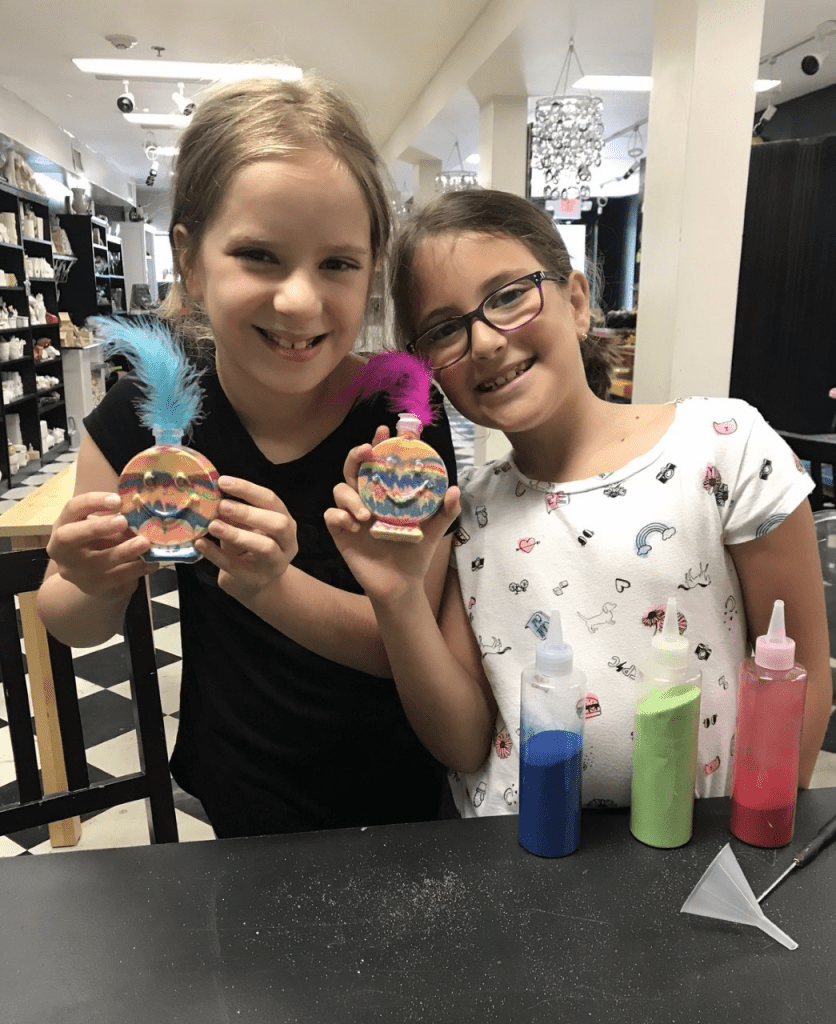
x,y
490,212
239,123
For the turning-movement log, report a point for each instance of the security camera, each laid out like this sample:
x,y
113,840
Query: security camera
x,y
183,103
811,62
125,101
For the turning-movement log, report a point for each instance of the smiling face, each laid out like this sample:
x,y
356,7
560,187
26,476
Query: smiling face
x,y
403,482
517,381
283,271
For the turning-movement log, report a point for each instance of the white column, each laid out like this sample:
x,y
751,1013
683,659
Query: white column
x,y
503,125
705,62
423,182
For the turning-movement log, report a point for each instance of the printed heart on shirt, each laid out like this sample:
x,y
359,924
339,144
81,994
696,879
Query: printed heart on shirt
x,y
527,544
622,585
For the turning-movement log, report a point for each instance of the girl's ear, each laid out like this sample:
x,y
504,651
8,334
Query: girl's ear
x,y
182,244
578,294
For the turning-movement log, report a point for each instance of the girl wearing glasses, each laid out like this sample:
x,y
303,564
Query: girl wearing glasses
x,y
598,510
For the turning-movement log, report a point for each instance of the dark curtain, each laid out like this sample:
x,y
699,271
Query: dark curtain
x,y
784,359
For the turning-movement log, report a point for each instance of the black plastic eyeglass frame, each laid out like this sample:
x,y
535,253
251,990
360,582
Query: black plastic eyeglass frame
x,y
466,320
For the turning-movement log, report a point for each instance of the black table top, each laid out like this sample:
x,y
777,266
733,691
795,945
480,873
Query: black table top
x,y
442,922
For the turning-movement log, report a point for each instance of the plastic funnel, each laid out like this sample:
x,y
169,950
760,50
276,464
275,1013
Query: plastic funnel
x,y
724,893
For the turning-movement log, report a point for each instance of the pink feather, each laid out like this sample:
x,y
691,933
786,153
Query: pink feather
x,y
406,378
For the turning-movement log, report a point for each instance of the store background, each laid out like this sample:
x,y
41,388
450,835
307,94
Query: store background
x,y
425,74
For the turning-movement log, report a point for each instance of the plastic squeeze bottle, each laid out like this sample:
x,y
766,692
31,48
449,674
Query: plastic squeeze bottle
x,y
551,748
770,713
665,738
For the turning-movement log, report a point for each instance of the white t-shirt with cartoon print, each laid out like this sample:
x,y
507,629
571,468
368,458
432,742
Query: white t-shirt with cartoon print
x,y
607,553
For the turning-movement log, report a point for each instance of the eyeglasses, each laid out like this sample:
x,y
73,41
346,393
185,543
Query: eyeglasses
x,y
507,309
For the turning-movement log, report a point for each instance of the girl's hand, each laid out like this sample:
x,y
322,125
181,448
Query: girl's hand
x,y
257,538
387,570
93,548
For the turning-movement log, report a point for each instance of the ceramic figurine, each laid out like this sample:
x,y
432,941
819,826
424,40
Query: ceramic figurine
x,y
404,481
169,492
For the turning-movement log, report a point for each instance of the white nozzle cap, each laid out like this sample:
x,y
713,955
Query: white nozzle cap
x,y
670,649
408,423
776,650
554,655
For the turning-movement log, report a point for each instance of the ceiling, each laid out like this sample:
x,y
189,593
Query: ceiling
x,y
419,69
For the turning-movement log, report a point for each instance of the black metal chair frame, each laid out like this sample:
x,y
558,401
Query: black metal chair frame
x,y
21,572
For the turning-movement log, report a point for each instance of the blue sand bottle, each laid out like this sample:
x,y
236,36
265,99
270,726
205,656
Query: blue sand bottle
x,y
551,748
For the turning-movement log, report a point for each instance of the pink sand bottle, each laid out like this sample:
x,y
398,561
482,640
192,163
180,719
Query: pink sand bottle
x,y
770,713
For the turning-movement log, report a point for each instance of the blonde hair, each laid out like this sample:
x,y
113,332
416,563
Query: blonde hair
x,y
239,123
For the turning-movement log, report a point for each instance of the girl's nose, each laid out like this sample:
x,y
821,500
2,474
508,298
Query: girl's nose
x,y
297,295
485,341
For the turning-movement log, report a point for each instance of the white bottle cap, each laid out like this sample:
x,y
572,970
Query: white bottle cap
x,y
669,649
776,650
554,655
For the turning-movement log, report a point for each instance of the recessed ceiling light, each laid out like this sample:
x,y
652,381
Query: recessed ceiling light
x,y
643,83
158,120
183,70
619,83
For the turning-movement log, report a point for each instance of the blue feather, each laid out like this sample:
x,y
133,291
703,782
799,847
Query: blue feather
x,y
170,384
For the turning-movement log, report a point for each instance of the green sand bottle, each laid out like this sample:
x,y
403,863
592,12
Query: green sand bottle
x,y
665,739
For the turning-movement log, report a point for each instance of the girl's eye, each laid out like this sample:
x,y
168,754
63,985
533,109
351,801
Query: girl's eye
x,y
339,264
445,331
508,296
256,255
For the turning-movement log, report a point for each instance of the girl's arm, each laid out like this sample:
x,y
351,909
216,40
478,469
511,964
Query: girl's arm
x,y
95,561
438,671
785,564
256,545
437,666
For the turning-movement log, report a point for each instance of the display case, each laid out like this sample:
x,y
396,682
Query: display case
x,y
33,417
95,284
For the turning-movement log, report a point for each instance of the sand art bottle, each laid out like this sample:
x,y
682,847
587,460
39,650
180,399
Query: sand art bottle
x,y
551,748
169,492
403,483
404,480
770,713
668,691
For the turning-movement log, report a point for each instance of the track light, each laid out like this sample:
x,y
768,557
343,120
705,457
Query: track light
x,y
152,173
125,101
183,103
767,115
811,62
152,150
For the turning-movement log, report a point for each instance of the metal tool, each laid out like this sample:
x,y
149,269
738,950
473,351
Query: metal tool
x,y
825,835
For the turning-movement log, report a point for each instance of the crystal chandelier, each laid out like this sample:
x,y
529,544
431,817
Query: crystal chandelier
x,y
566,138
455,180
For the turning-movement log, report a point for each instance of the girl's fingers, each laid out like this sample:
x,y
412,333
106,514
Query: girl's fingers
x,y
359,455
82,505
356,457
252,494
336,519
348,499
273,524
246,540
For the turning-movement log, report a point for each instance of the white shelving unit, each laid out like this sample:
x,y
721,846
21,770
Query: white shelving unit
x,y
80,366
138,257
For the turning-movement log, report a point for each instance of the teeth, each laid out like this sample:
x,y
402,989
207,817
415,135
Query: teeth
x,y
295,345
497,382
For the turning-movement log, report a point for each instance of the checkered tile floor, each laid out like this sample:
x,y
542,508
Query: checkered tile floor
x,y
108,722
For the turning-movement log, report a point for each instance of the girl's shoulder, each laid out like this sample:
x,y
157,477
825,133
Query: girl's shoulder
x,y
723,416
